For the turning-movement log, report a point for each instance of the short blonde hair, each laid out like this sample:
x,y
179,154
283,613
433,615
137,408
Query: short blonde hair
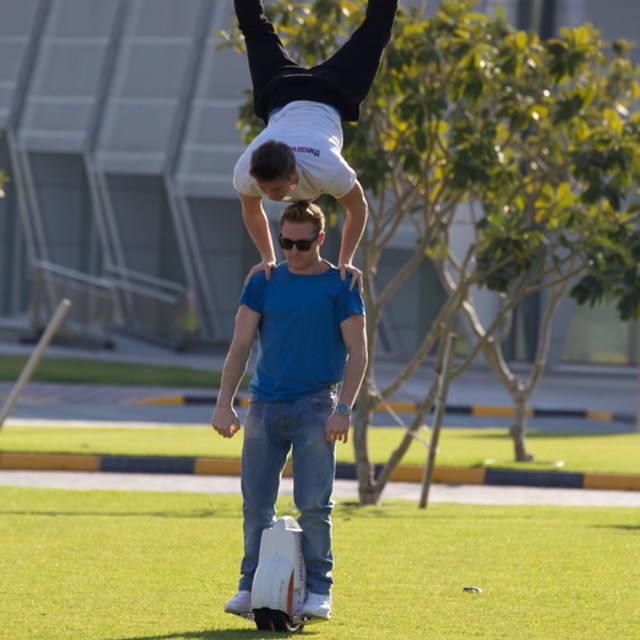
x,y
300,212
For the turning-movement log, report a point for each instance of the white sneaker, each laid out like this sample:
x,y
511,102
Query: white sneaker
x,y
317,606
239,604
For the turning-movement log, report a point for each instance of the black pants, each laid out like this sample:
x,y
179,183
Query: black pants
x,y
343,81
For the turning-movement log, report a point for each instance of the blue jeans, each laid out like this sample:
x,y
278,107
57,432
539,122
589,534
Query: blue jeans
x,y
272,429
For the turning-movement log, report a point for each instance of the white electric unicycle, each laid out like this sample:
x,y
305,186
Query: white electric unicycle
x,y
279,585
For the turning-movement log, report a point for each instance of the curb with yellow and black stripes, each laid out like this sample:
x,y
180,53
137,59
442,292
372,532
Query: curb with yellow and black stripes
x,y
479,411
345,471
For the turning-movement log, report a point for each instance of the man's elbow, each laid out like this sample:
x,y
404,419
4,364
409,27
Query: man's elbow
x,y
240,352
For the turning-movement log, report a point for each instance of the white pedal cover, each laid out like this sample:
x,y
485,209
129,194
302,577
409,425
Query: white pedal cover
x,y
279,582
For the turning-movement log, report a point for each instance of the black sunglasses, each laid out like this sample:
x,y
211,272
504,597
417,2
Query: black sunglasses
x,y
302,245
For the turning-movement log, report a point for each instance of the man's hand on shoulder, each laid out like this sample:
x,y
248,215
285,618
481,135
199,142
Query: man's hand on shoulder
x,y
265,266
356,276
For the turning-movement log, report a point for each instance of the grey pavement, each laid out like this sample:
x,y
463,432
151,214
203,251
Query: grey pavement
x,y
563,389
606,389
344,490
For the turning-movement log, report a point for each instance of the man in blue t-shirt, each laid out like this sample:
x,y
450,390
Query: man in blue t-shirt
x,y
311,363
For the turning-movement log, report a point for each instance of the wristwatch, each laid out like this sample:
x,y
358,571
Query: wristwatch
x,y
343,409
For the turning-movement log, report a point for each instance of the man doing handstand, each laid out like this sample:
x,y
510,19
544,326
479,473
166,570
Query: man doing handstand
x,y
297,157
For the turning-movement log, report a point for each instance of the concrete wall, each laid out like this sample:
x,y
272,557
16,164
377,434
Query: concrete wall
x,y
118,129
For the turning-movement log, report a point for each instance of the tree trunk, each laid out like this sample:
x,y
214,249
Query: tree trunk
x,y
364,469
519,427
418,420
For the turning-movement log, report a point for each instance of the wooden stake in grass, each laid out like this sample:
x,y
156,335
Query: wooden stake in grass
x,y
33,361
444,372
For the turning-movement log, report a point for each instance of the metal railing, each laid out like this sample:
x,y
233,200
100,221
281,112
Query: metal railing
x,y
136,303
152,308
93,304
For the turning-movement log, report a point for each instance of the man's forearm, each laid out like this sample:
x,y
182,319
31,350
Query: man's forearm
x,y
351,234
353,375
234,367
257,224
354,224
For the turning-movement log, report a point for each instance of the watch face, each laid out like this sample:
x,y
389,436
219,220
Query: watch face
x,y
343,409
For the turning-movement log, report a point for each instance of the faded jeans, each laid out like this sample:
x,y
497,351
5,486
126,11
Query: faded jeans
x,y
271,430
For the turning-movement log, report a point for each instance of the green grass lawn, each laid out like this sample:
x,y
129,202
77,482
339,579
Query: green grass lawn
x,y
614,453
106,565
104,372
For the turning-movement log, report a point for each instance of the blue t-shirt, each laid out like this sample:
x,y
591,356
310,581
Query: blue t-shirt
x,y
301,349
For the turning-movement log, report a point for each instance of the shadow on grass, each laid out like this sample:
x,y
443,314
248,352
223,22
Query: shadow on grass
x,y
217,634
344,511
534,434
622,527
115,514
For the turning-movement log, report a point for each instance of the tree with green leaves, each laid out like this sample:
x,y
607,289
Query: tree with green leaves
x,y
526,153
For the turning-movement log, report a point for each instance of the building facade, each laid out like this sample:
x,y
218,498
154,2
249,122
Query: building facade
x,y
118,133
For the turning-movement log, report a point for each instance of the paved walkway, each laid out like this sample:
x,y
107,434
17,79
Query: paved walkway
x,y
563,390
567,400
472,402
344,489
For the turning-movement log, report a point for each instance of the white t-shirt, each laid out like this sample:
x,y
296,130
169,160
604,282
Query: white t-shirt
x,y
314,132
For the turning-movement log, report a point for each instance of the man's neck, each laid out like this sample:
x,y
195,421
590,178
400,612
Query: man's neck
x,y
318,266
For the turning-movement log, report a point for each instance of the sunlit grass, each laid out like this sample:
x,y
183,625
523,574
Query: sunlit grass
x,y
458,447
133,566
81,371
